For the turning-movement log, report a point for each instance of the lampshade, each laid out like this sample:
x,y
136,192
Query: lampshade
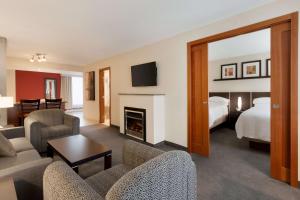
x,y
6,102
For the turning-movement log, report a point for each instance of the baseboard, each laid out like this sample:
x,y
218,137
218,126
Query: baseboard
x,y
114,126
177,146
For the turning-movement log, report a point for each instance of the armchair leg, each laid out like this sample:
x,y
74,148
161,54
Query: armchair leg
x,y
49,151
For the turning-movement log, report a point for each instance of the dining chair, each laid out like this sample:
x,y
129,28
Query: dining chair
x,y
27,106
53,103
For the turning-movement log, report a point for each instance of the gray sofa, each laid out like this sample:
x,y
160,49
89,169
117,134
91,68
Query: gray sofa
x,y
26,168
43,125
146,173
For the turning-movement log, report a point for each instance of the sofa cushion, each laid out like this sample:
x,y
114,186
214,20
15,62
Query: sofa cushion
x,y
56,131
21,144
6,148
20,158
48,117
104,180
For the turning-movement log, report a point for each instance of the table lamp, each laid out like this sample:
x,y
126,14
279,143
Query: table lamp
x,y
6,102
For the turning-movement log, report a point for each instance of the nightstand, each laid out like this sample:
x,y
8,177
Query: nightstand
x,y
233,116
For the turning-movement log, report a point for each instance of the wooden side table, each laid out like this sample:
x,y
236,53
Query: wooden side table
x,y
7,189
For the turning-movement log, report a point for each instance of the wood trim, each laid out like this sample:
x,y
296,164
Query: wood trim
x,y
189,99
246,29
104,69
293,19
294,100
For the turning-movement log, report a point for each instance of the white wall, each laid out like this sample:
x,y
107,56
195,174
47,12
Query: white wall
x,y
26,65
171,57
3,46
246,85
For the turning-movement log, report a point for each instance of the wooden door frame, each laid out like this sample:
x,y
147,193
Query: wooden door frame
x,y
100,70
293,19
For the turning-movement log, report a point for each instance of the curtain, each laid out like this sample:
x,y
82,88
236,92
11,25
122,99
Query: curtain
x,y
66,90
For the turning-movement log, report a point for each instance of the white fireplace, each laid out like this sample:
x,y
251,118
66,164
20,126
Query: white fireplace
x,y
154,107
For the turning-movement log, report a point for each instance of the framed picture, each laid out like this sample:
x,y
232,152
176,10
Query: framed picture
x,y
251,69
50,88
90,86
229,71
268,67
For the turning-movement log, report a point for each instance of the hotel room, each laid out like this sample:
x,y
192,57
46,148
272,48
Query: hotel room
x,y
149,99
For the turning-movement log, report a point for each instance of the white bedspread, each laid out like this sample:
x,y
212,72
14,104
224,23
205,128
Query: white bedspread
x,y
254,123
217,114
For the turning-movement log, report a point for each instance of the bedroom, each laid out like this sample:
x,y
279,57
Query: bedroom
x,y
239,71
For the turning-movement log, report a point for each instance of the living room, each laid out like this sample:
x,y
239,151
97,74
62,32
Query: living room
x,y
137,68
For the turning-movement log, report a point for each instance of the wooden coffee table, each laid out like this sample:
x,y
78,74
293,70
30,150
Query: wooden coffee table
x,y
78,149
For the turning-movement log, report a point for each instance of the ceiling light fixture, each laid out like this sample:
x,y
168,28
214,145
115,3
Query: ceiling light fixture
x,y
32,59
40,57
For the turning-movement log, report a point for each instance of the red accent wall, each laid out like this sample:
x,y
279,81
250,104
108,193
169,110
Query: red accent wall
x,y
31,85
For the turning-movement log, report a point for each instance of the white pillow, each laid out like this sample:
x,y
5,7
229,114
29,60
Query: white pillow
x,y
220,100
262,100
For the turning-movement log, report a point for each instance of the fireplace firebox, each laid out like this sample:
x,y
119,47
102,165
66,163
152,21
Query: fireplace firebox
x,y
135,122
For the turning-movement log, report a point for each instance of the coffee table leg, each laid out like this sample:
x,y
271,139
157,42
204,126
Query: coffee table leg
x,y
107,161
49,151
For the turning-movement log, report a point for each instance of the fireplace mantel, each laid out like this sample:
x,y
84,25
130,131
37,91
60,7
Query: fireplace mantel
x,y
154,104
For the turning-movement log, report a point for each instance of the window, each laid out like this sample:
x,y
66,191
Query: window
x,y
77,92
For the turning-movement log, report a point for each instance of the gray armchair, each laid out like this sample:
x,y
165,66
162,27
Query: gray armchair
x,y
146,173
43,125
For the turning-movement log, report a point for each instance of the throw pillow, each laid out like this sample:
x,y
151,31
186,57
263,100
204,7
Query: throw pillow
x,y
6,148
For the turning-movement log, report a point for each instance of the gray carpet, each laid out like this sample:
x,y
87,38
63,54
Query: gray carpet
x,y
233,171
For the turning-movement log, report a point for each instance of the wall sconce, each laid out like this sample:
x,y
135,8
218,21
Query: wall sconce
x,y
239,104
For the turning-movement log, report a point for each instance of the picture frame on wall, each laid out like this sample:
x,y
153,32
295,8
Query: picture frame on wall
x,y
229,71
50,88
251,69
90,86
268,67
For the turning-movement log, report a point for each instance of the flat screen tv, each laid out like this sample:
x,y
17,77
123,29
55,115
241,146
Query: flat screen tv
x,y
144,75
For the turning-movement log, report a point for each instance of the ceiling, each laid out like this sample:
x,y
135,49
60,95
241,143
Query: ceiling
x,y
79,32
247,44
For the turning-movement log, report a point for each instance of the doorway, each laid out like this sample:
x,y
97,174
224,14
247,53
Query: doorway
x,y
105,96
284,97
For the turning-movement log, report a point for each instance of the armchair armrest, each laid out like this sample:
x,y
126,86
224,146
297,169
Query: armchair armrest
x,y
62,183
73,122
28,177
15,132
135,154
33,132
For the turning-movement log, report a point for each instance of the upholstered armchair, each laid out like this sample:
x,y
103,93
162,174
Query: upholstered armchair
x,y
146,173
26,167
43,125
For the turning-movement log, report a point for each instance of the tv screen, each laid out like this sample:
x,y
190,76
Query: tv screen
x,y
144,74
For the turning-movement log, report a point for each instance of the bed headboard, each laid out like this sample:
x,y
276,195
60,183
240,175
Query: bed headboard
x,y
246,100
219,94
255,95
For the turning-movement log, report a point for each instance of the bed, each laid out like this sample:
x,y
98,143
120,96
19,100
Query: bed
x,y
254,123
218,111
